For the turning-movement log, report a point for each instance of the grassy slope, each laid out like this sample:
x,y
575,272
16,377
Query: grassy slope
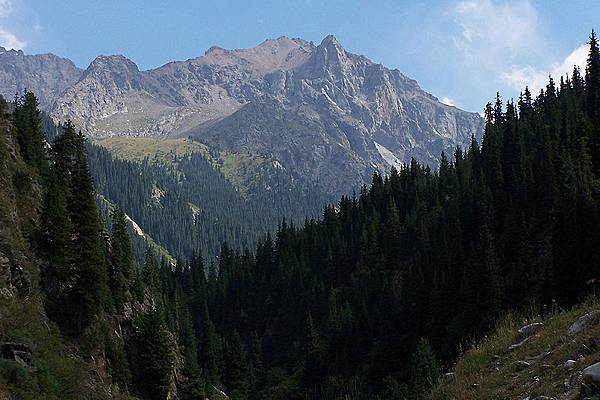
x,y
238,168
488,369
139,148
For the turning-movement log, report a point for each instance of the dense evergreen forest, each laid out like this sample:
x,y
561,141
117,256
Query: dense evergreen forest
x,y
192,194
371,301
377,296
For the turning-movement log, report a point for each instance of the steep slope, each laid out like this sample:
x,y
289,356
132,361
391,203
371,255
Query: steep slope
x,y
36,361
541,358
320,110
45,74
114,97
186,183
339,116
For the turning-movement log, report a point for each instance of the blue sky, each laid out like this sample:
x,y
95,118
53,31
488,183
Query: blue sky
x,y
462,51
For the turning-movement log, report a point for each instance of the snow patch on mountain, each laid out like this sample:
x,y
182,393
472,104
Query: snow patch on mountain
x,y
388,156
330,99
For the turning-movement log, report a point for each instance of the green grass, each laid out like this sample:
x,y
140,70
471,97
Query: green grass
x,y
487,369
154,150
238,168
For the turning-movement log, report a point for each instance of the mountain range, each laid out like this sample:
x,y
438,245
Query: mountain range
x,y
324,112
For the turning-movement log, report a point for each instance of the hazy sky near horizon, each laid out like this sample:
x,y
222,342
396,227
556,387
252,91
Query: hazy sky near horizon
x,y
462,51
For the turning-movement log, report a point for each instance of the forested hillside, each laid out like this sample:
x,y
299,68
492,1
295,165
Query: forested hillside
x,y
370,301
78,320
378,295
36,362
189,189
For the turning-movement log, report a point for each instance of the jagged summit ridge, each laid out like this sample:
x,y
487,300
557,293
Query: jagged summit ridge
x,y
316,108
45,74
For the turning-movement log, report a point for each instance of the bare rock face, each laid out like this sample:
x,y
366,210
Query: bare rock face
x,y
339,116
46,75
18,352
114,98
317,109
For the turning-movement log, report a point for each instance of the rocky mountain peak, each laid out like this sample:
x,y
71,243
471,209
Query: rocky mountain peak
x,y
331,52
115,63
46,75
214,50
329,59
114,69
281,53
11,52
330,40
284,42
319,110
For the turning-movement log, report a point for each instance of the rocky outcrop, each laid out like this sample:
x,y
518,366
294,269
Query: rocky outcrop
x,y
548,365
45,74
591,381
583,322
14,280
14,263
530,329
17,352
316,109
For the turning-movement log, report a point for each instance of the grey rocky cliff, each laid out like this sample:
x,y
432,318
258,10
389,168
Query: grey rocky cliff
x,y
45,74
317,109
339,116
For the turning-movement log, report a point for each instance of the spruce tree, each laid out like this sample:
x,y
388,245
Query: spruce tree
x,y
56,245
29,131
188,341
210,356
257,366
592,90
150,273
156,358
90,292
592,79
425,370
122,270
238,372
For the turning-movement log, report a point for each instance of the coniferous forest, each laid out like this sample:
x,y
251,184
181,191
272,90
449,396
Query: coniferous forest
x,y
373,300
152,194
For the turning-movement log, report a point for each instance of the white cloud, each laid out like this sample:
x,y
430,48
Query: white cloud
x,y
492,32
536,79
10,41
5,7
448,101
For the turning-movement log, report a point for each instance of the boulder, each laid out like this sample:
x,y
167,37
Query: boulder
x,y
517,345
530,329
13,278
20,280
569,364
16,352
583,322
591,380
520,365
